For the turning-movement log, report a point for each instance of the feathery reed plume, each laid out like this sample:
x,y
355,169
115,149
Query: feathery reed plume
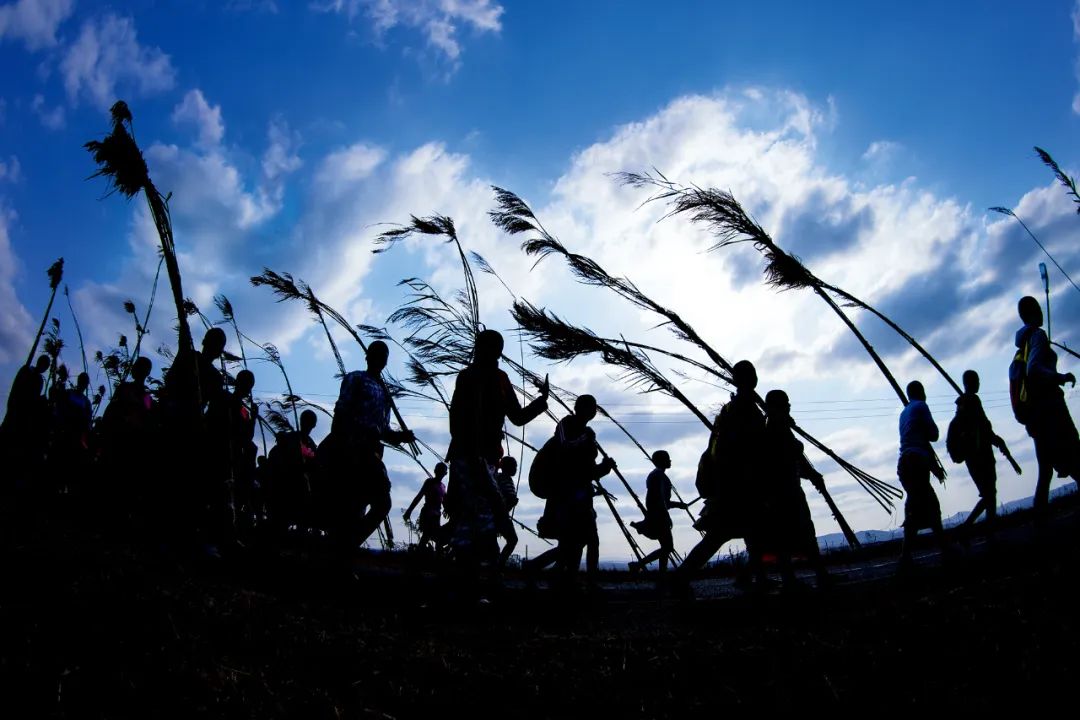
x,y
1013,215
52,346
438,225
274,357
285,288
514,216
226,309
443,334
731,224
278,422
315,308
1066,180
418,371
99,358
78,331
554,339
56,274
142,328
121,163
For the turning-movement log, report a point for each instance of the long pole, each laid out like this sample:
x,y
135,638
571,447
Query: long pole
x,y
1046,288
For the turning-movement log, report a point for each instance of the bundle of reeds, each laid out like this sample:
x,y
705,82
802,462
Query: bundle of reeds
x,y
515,217
56,274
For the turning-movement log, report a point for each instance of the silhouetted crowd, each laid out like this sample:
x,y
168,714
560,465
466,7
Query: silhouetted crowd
x,y
176,463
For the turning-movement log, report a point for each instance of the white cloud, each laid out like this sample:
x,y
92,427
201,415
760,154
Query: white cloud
x,y
348,165
10,170
219,215
1076,37
881,151
206,118
107,59
280,158
927,259
16,325
35,22
437,20
52,119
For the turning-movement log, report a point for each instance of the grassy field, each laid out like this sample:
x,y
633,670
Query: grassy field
x,y
92,627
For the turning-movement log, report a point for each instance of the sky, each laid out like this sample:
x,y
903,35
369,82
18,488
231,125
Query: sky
x,y
867,138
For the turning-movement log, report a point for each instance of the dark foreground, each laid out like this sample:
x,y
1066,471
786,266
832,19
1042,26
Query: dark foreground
x,y
90,627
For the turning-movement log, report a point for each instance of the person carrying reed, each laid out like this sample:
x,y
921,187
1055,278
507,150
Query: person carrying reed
x,y
483,400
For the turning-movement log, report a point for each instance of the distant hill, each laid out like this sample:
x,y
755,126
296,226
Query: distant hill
x,y
836,540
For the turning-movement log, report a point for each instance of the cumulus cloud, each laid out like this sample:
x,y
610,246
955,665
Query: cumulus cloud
x,y
10,170
221,207
1076,37
437,20
947,272
16,325
882,151
194,110
107,58
34,22
52,119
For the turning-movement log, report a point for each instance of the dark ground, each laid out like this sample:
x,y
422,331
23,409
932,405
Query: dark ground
x,y
91,627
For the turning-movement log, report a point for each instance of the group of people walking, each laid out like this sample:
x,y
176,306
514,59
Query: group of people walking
x,y
209,486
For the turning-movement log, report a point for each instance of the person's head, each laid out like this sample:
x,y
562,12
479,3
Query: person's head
x,y
585,408
915,391
440,470
213,343
1030,311
661,459
489,346
777,404
744,376
82,382
42,364
245,381
508,465
140,369
377,356
308,421
971,381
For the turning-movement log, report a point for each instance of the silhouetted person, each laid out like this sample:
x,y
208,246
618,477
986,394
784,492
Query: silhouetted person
x,y
921,507
504,480
788,526
231,420
979,442
25,392
731,467
355,477
70,451
482,402
657,522
1057,446
580,471
570,501
24,432
292,465
130,433
432,493
191,384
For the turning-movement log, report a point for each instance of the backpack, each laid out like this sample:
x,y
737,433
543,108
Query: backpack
x,y
957,440
544,471
705,482
1018,393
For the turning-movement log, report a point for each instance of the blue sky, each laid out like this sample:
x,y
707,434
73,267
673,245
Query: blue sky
x,y
869,138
